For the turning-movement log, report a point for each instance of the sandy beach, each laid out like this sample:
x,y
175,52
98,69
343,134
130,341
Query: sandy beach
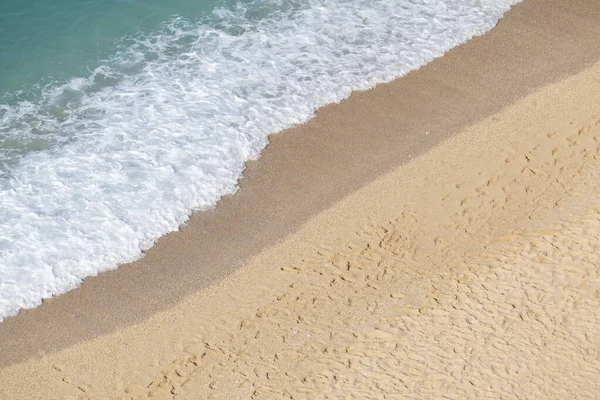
x,y
435,237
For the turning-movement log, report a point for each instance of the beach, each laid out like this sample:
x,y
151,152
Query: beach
x,y
434,236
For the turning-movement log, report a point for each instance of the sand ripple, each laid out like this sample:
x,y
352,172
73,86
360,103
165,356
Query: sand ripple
x,y
517,318
481,280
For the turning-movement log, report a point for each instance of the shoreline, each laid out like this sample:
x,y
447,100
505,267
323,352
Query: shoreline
x,y
308,167
469,272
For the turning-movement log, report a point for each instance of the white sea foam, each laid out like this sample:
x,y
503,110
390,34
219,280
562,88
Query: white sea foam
x,y
104,165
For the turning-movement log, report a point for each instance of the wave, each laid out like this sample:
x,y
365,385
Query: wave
x,y
94,170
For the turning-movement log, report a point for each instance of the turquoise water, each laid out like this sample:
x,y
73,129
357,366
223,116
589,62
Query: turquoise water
x,y
47,41
53,55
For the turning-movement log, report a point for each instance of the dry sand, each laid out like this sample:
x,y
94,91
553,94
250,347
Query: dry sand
x,y
471,269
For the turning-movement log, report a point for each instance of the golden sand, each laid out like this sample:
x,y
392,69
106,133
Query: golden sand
x,y
471,272
309,168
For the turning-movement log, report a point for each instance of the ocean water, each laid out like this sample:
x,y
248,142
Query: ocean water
x,y
118,118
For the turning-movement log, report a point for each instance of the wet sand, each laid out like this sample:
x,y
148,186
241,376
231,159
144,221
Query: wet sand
x,y
317,184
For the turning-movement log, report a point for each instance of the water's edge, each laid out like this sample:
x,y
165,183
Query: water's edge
x,y
167,126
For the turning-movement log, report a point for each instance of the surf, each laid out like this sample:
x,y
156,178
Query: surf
x,y
93,170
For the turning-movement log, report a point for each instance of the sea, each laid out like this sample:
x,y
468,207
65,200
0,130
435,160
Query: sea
x,y
119,118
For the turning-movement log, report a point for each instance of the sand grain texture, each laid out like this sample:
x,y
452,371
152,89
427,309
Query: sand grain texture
x,y
307,169
471,272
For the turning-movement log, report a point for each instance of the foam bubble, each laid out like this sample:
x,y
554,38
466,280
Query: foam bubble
x,y
122,156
